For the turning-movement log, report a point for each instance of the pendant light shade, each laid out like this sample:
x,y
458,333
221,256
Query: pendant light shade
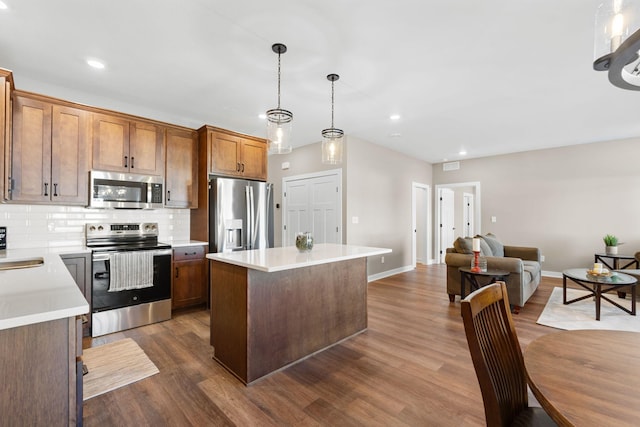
x,y
617,41
279,121
332,138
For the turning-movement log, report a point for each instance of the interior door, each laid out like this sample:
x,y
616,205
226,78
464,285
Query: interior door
x,y
447,219
313,203
468,214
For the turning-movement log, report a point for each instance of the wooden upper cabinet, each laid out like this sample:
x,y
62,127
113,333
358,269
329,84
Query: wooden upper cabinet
x,y
146,149
6,87
122,145
49,161
181,178
237,155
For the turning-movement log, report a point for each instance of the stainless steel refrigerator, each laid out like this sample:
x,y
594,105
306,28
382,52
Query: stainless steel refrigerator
x,y
240,214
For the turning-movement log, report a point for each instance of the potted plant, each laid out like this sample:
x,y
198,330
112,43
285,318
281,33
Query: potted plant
x,y
611,242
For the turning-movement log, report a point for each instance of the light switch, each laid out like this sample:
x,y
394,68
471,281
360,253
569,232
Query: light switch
x,y
355,219
493,219
285,165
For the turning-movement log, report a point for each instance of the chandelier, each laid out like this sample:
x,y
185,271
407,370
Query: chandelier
x,y
617,41
278,120
332,138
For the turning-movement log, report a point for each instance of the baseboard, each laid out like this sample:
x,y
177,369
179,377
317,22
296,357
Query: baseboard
x,y
555,274
388,273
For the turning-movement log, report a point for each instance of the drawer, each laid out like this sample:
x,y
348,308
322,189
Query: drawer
x,y
188,252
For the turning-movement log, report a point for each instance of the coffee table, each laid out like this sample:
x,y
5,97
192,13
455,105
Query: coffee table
x,y
598,286
472,277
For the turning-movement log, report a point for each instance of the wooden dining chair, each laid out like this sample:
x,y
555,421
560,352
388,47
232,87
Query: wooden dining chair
x,y
497,359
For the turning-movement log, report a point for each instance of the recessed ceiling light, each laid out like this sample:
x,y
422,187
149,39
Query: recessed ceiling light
x,y
3,6
262,116
395,117
462,152
396,135
95,63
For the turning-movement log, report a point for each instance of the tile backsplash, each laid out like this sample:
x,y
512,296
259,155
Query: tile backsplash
x,y
42,226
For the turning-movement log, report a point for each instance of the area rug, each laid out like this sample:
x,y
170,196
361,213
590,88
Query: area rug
x,y
582,314
114,365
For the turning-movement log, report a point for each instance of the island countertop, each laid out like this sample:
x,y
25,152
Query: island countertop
x,y
38,294
289,257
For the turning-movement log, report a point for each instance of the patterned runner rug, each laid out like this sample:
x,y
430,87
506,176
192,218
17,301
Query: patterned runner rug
x,y
114,365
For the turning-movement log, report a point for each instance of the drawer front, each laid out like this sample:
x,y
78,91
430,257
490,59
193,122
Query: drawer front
x,y
188,252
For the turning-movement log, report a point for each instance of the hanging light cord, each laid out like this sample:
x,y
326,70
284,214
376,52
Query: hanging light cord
x,y
332,92
278,80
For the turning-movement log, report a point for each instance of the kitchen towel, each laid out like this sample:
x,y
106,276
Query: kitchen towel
x,y
131,270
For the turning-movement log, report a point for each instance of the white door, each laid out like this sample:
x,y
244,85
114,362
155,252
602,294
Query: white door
x,y
313,203
468,214
447,219
421,224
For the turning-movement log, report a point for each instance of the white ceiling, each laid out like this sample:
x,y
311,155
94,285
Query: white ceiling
x,y
489,77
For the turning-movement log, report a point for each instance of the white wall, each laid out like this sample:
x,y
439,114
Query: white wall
x,y
562,200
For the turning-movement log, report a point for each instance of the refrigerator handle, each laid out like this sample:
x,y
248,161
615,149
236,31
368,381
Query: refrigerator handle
x,y
247,226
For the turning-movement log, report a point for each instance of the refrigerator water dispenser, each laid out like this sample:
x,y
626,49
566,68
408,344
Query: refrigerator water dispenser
x,y
233,231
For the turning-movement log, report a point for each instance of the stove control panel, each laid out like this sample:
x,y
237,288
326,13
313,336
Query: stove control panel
x,y
143,229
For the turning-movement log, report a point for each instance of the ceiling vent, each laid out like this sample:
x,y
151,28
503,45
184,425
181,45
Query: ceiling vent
x,y
451,166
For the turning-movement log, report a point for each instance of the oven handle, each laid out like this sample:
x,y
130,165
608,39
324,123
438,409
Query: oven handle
x,y
105,256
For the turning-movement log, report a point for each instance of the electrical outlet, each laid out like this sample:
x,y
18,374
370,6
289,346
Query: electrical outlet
x,y
382,260
542,258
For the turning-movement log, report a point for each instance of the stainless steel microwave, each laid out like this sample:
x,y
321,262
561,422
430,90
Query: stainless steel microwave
x,y
125,191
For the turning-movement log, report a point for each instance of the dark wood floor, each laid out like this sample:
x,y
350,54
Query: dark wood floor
x,y
410,368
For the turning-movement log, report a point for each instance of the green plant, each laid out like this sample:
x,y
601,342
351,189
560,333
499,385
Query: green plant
x,y
610,240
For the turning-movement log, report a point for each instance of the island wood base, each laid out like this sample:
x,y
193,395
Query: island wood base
x,y
263,321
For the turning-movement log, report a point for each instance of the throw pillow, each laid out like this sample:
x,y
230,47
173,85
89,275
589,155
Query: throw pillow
x,y
463,246
497,248
485,249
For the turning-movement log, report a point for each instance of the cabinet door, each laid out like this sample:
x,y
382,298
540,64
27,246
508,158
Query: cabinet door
x,y
254,159
190,282
69,155
31,150
181,180
224,154
79,265
146,149
110,143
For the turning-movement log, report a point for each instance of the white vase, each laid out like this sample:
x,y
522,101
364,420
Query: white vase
x,y
612,250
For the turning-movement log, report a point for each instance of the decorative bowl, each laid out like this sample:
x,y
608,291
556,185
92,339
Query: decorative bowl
x,y
304,241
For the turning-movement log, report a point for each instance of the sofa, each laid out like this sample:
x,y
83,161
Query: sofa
x,y
522,263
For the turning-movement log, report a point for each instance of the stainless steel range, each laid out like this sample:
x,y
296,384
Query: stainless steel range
x,y
131,284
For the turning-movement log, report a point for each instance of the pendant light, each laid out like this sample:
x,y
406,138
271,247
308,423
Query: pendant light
x,y
278,120
617,41
332,138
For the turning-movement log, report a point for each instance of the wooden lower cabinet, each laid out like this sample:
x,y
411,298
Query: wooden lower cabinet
x,y
79,265
39,363
190,277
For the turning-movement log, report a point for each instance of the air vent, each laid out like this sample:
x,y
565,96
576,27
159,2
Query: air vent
x,y
451,166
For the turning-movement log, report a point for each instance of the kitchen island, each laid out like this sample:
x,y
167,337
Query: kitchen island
x,y
40,339
273,307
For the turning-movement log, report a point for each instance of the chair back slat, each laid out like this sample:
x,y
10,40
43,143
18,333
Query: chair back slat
x,y
496,354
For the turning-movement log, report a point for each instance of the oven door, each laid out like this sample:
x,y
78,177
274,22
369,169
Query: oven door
x,y
103,299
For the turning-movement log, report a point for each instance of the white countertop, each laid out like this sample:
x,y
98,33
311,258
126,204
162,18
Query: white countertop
x,y
38,294
183,243
288,257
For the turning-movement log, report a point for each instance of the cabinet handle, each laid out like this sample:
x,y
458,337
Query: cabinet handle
x,y
55,189
132,158
243,167
190,253
176,272
126,159
46,188
237,167
168,195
